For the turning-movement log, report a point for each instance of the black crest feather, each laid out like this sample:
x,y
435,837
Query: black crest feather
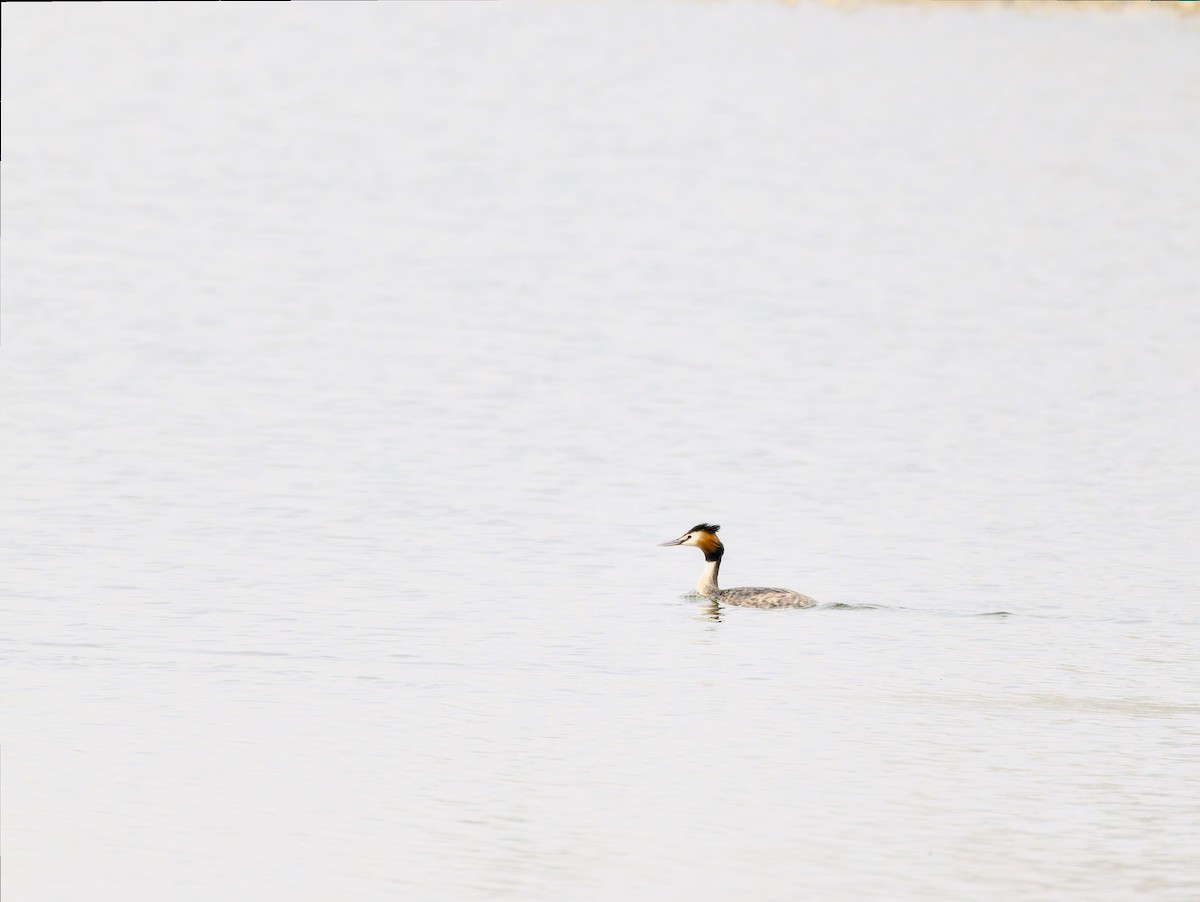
x,y
705,527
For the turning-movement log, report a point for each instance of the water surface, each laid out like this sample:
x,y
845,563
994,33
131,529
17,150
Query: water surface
x,y
357,356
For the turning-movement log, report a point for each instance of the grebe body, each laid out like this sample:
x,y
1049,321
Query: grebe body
x,y
704,537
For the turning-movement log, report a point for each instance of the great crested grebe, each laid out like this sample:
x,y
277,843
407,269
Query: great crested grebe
x,y
704,537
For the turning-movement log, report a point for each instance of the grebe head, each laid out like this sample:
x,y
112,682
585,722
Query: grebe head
x,y
704,537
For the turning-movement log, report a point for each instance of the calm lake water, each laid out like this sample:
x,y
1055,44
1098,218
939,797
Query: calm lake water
x,y
356,356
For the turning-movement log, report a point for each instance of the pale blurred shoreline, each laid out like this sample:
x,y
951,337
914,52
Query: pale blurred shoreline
x,y
1039,6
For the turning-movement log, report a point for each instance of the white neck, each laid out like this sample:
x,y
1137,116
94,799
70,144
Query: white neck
x,y
708,579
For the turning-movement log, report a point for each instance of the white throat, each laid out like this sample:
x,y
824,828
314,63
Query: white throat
x,y
708,579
